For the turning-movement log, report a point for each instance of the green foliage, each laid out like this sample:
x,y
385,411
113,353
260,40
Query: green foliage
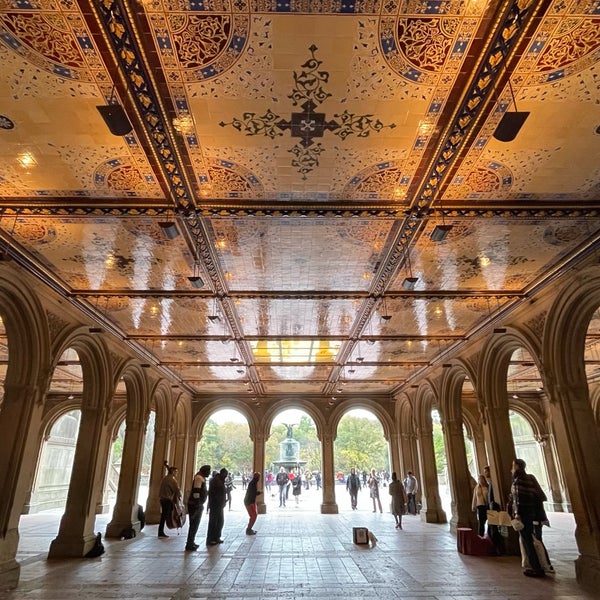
x,y
227,445
360,444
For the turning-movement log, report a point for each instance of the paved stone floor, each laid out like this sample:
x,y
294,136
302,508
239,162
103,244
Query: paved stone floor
x,y
297,553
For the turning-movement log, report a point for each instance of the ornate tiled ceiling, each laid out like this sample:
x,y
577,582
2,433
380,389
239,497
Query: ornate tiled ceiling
x,y
306,151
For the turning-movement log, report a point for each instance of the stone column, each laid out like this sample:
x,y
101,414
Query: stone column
x,y
160,453
20,421
431,510
126,511
259,467
578,444
329,506
460,477
395,443
180,452
480,453
76,532
556,503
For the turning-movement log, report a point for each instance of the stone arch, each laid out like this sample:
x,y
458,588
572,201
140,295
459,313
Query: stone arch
x,y
306,406
496,355
566,327
27,332
382,415
137,386
208,409
95,362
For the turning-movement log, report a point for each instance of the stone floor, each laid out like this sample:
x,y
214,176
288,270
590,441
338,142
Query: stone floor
x,y
297,553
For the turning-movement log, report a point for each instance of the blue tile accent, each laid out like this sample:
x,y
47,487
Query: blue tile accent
x,y
62,71
555,75
10,40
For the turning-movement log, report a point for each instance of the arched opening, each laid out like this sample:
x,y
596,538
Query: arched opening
x,y
528,448
114,463
360,445
441,464
293,449
592,363
53,475
55,462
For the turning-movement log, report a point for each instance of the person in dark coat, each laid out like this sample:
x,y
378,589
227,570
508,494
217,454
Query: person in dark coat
x,y
195,505
250,503
217,498
353,486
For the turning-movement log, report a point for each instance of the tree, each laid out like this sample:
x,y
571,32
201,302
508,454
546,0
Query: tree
x,y
360,444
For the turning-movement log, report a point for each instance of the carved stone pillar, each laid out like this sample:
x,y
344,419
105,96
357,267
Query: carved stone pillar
x,y
329,505
480,453
556,503
76,532
160,453
259,467
395,444
578,445
125,511
431,510
460,477
180,452
20,420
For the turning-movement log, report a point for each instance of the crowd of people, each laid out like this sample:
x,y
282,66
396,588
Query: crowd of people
x,y
526,510
213,488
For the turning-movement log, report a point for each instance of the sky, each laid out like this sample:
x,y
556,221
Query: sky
x,y
290,416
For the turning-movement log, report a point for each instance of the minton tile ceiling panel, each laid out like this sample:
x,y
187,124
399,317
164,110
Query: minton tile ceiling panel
x,y
293,372
174,351
302,254
398,351
494,253
292,317
414,316
139,316
556,81
53,139
276,103
107,253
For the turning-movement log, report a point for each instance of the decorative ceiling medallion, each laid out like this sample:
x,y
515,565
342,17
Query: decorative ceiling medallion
x,y
6,123
308,93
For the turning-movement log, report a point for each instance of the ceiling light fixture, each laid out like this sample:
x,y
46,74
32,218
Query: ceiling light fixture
x,y
115,117
195,278
214,315
440,232
511,122
385,315
409,282
169,228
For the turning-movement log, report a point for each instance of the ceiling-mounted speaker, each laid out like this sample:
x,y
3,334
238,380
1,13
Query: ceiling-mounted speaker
x,y
115,118
510,125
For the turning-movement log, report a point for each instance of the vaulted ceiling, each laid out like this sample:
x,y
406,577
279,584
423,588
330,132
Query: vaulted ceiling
x,y
303,153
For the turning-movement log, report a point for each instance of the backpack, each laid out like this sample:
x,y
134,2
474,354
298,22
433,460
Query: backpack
x,y
97,548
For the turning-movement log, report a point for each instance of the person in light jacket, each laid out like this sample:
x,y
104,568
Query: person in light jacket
x,y
480,503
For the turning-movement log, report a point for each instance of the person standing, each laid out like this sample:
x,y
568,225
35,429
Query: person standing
x,y
374,491
353,487
411,486
250,503
480,503
399,499
526,505
297,487
493,530
217,499
195,506
229,486
168,494
282,481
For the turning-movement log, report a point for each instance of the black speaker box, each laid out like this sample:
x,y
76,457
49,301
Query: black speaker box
x,y
115,118
510,125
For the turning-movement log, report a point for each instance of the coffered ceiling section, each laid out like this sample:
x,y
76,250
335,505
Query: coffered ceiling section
x,y
304,154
